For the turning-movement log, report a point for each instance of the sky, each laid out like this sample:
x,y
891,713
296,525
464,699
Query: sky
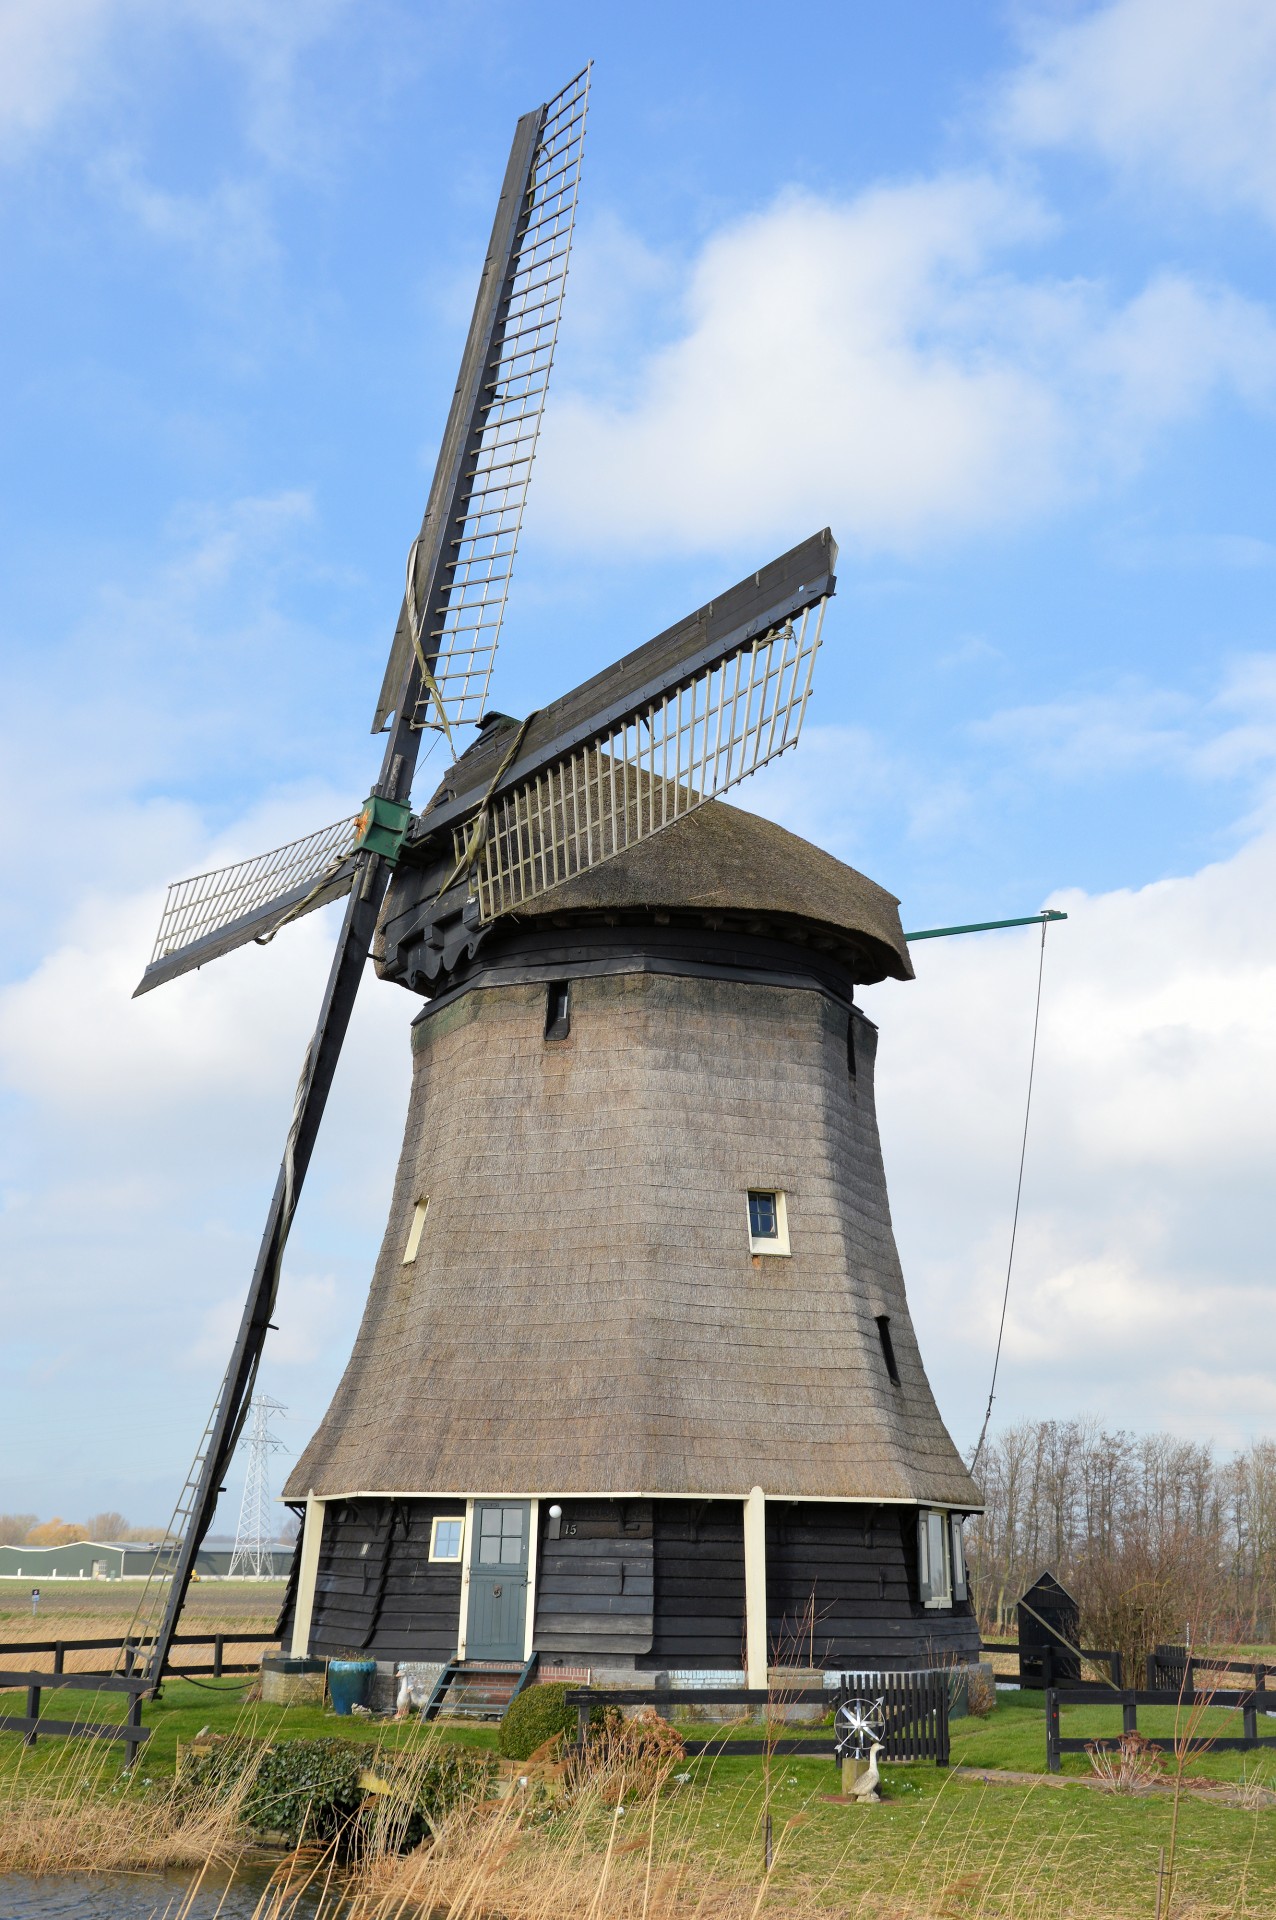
x,y
986,288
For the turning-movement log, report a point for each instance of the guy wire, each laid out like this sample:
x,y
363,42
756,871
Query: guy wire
x,y
1014,1225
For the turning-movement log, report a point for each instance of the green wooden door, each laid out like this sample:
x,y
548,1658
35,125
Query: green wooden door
x,y
498,1580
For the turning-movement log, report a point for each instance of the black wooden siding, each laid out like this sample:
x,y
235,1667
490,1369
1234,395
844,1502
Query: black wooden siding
x,y
842,1584
699,1586
661,1582
377,1590
594,1582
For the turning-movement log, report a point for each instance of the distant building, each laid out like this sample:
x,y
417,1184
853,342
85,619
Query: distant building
x,y
115,1560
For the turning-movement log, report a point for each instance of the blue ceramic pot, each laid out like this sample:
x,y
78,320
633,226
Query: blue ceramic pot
x,y
350,1683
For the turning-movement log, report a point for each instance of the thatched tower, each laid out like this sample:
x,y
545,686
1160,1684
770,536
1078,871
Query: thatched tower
x,y
636,1385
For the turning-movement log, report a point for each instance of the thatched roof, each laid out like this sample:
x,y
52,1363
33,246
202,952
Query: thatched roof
x,y
721,859
584,1314
717,861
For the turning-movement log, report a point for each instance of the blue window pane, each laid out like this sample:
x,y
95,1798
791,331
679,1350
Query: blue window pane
x,y
762,1216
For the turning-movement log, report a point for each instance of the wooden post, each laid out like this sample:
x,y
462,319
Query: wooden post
x,y
33,1713
134,1721
217,1656
756,1660
1129,1717
1053,1762
59,1656
307,1574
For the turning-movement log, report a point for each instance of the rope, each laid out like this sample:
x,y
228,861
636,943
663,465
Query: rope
x,y
416,623
329,874
1014,1227
478,832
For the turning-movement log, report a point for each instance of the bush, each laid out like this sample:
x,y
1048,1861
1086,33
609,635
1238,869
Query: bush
x,y
628,1758
537,1715
309,1789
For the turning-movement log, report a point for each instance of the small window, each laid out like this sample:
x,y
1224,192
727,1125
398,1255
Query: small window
x,y
447,1536
960,1587
558,1010
768,1221
934,1565
415,1231
888,1346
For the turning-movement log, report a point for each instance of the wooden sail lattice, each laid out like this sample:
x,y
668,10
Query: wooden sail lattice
x,y
651,769
462,629
209,903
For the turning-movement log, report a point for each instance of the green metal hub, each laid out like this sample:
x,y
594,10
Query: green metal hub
x,y
382,827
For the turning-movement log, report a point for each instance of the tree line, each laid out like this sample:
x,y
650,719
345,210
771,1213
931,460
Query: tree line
x,y
1157,1537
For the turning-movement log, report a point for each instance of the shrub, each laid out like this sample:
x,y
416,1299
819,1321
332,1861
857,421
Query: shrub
x,y
309,1789
537,1715
629,1758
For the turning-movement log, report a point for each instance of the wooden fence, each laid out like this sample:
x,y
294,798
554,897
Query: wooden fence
x,y
914,1714
1178,1667
132,1680
122,1643
1251,1701
1051,1659
30,1725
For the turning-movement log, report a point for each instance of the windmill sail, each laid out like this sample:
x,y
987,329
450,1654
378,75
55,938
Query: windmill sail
x,y
460,564
655,766
533,218
212,913
635,748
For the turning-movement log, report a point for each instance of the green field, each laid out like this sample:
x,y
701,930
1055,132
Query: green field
x,y
968,1842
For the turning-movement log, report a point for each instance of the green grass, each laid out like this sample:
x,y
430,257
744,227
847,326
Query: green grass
x,y
935,1830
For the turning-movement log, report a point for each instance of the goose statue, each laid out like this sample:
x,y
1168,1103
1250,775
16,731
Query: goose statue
x,y
865,1787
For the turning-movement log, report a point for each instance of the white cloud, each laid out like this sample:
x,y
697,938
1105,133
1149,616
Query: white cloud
x,y
1178,92
1143,1283
878,364
50,50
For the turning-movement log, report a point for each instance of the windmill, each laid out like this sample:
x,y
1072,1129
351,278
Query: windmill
x,y
588,777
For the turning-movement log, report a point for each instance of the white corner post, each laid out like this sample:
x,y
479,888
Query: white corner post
x,y
755,1637
307,1574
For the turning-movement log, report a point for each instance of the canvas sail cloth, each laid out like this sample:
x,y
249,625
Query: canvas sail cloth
x,y
583,1314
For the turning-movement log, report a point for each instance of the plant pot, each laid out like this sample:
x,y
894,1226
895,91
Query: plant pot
x,y
350,1683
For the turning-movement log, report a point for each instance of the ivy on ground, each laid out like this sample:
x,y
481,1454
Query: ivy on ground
x,y
309,1789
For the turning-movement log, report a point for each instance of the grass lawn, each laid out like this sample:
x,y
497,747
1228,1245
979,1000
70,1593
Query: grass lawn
x,y
934,1831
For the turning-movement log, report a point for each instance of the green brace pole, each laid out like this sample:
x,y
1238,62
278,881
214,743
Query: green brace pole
x,y
988,926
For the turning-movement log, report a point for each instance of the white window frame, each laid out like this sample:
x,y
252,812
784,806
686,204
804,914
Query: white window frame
x,y
961,1576
778,1246
420,1214
447,1519
936,1584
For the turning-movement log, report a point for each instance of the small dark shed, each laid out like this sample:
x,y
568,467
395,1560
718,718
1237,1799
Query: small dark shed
x,y
1049,1635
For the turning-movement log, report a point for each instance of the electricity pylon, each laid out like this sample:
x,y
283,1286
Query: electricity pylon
x,y
254,1538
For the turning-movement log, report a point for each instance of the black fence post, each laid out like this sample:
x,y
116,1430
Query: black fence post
x,y
941,1708
1053,1763
1129,1717
1117,1668
134,1722
59,1656
33,1713
217,1655
1249,1719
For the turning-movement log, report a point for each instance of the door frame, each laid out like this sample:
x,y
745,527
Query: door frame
x,y
533,1542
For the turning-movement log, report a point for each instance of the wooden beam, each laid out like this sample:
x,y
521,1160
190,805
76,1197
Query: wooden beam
x,y
755,1588
307,1574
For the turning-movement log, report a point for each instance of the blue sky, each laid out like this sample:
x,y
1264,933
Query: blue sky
x,y
988,289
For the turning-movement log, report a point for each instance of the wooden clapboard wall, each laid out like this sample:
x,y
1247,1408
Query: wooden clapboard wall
x,y
842,1584
377,1590
594,1581
699,1585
